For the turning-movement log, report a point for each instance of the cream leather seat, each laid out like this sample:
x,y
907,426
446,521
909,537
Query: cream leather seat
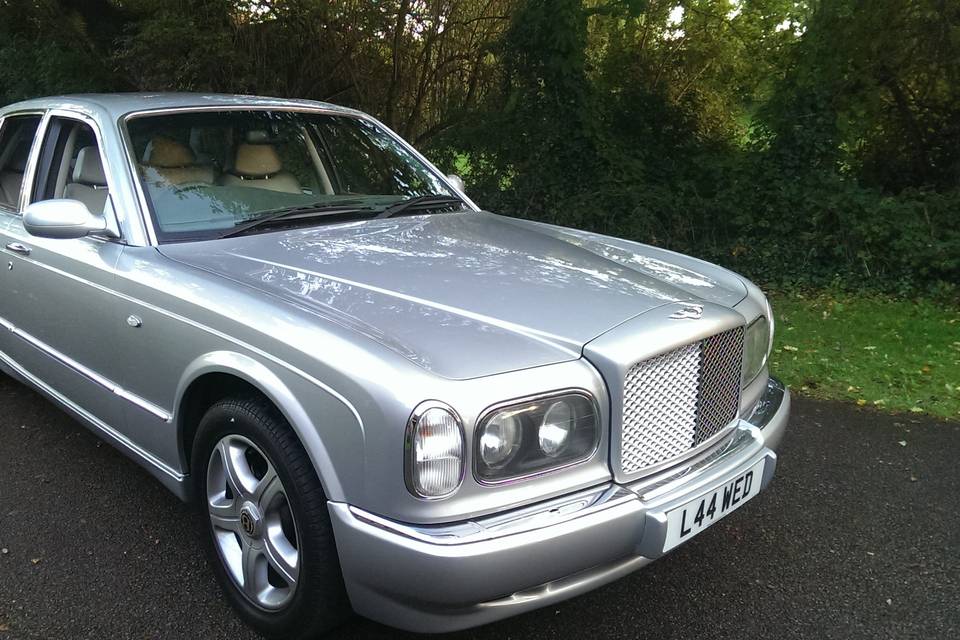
x,y
259,166
169,161
11,178
89,184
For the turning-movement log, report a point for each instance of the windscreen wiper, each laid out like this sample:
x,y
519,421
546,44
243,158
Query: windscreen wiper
x,y
419,202
295,213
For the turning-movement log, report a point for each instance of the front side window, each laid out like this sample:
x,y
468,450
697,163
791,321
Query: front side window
x,y
71,165
16,139
209,173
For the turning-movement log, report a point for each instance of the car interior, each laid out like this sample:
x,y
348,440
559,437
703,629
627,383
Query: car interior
x,y
214,156
15,142
71,166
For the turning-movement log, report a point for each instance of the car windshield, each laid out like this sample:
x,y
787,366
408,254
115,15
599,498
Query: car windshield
x,y
206,173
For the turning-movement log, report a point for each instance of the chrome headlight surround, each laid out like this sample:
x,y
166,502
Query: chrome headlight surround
x,y
436,421
538,451
757,343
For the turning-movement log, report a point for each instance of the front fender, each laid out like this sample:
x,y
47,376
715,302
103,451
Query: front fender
x,y
279,389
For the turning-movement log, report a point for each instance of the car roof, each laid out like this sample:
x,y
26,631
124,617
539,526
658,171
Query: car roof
x,y
117,105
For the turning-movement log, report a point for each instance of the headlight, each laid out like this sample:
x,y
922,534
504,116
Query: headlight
x,y
756,348
536,435
434,456
500,440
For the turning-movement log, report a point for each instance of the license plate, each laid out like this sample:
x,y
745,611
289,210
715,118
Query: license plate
x,y
688,520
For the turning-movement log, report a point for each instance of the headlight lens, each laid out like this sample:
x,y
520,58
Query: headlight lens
x,y
434,451
536,435
556,428
500,440
756,348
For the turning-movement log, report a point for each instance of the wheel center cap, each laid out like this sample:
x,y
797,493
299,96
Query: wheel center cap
x,y
250,520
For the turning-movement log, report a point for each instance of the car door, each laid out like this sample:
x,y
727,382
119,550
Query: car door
x,y
18,131
58,301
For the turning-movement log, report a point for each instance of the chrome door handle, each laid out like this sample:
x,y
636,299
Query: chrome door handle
x,y
16,247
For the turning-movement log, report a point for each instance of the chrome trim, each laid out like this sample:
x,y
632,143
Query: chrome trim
x,y
500,406
408,451
651,488
87,373
16,247
113,229
31,157
699,449
540,516
91,419
147,212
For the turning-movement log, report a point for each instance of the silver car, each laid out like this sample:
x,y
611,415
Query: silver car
x,y
378,396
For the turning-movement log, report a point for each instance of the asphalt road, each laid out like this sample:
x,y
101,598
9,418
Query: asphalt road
x,y
857,537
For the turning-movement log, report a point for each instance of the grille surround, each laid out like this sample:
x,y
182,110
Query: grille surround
x,y
677,401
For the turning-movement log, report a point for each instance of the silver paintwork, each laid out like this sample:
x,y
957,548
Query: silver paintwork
x,y
62,219
347,328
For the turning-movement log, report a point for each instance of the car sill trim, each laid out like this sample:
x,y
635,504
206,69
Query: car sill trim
x,y
91,420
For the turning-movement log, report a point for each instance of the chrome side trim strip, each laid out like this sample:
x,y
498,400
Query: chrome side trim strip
x,y
542,515
91,420
91,375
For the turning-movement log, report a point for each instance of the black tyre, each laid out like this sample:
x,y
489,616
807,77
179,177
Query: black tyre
x,y
265,524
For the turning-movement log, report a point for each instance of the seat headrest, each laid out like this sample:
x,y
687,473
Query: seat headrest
x,y
257,160
257,136
89,168
166,153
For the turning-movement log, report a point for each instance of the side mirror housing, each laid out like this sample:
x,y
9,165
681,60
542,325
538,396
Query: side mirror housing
x,y
62,219
457,182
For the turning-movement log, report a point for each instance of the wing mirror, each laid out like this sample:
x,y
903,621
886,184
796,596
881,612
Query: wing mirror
x,y
457,182
61,219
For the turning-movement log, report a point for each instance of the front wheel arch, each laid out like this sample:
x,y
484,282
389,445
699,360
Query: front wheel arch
x,y
219,375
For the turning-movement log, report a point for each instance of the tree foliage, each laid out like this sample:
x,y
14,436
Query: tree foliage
x,y
804,141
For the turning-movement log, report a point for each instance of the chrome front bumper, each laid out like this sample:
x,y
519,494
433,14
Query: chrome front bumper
x,y
447,577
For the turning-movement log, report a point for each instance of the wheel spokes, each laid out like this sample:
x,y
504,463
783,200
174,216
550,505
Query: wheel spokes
x,y
280,554
267,489
252,568
239,477
253,527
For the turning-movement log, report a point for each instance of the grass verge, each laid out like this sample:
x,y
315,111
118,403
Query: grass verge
x,y
894,354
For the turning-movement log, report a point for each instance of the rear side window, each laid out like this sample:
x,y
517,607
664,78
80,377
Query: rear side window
x,y
16,138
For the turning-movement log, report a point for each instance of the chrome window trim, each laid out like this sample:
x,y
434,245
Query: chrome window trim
x,y
489,411
146,211
408,451
31,157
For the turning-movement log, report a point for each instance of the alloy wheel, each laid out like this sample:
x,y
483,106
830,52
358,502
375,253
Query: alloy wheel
x,y
253,526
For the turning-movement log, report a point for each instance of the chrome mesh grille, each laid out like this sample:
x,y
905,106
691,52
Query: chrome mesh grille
x,y
675,401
